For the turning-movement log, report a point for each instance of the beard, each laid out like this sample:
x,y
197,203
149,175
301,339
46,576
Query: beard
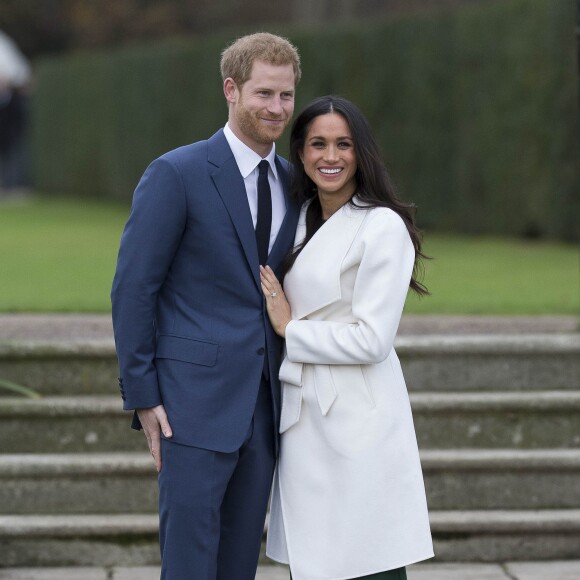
x,y
250,124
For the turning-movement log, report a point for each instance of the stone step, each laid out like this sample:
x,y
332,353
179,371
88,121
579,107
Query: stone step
x,y
491,362
131,539
454,479
498,535
521,420
94,483
500,479
67,424
436,362
76,367
526,420
79,540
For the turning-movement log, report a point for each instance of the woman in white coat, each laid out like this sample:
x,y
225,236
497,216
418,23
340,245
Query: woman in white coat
x,y
348,498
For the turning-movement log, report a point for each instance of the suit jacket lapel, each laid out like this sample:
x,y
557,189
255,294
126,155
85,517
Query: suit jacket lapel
x,y
230,186
287,230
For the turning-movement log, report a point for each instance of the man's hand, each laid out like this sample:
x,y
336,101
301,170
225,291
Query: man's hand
x,y
153,421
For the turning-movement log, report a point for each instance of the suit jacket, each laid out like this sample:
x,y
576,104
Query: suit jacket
x,y
189,317
348,499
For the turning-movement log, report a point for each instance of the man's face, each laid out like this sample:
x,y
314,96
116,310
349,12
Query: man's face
x,y
262,108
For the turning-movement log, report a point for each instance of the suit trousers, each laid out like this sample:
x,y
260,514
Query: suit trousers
x,y
212,505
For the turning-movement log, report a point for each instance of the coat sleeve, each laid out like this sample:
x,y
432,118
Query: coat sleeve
x,y
379,293
148,244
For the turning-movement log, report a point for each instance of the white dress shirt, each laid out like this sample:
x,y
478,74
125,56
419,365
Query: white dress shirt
x,y
247,161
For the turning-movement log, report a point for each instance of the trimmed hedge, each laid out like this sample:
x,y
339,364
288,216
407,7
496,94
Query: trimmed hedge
x,y
476,110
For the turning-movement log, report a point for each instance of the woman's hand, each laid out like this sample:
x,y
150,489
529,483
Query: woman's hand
x,y
276,303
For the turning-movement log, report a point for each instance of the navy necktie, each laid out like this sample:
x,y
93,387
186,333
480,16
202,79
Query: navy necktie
x,y
264,221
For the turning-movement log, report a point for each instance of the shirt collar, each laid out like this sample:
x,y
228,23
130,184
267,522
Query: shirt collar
x,y
246,158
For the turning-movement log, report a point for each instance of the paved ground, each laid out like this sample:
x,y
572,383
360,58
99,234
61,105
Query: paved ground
x,y
97,326
565,570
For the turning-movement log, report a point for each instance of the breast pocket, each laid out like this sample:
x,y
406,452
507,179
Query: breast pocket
x,y
190,350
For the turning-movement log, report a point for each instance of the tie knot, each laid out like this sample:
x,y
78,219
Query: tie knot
x,y
263,166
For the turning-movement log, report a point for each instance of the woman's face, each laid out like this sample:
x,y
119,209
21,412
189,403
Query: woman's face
x,y
329,158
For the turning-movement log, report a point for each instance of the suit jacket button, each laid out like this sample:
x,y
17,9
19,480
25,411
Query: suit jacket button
x,y
260,351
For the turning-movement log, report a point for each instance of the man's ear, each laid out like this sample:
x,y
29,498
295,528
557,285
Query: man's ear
x,y
231,90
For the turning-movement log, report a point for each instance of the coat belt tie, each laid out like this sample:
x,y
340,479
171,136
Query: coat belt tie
x,y
291,378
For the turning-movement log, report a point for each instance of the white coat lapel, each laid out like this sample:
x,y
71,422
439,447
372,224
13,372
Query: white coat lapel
x,y
317,267
319,263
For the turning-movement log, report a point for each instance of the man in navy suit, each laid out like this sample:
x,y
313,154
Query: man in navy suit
x,y
198,358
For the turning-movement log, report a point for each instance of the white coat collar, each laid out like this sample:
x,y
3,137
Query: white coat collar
x,y
319,263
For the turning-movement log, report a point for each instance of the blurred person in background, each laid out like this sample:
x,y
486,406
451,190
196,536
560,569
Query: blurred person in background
x,y
15,80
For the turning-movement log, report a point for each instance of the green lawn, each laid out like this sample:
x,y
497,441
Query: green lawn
x,y
489,275
59,255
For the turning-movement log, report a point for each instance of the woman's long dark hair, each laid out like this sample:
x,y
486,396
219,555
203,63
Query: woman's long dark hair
x,y
373,184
